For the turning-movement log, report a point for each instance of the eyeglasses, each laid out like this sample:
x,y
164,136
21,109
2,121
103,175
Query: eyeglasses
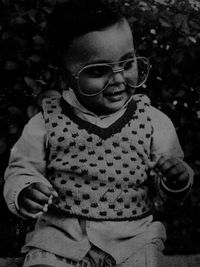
x,y
93,79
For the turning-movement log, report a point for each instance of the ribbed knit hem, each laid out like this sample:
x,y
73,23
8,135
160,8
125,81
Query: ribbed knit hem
x,y
56,209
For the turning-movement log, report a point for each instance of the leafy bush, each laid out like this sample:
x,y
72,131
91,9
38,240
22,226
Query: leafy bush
x,y
167,32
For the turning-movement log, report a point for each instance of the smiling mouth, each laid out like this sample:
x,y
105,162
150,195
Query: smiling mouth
x,y
114,93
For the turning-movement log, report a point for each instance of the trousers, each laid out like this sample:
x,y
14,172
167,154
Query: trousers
x,y
148,256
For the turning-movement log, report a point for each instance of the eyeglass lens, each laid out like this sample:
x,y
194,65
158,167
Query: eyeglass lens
x,y
95,78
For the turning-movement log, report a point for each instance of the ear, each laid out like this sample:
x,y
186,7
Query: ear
x,y
66,76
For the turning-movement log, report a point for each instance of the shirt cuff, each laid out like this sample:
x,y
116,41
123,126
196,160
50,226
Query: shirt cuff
x,y
11,195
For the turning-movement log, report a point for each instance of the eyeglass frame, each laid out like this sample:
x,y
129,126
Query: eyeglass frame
x,y
76,75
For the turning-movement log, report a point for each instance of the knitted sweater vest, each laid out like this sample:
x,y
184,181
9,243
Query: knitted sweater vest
x,y
100,173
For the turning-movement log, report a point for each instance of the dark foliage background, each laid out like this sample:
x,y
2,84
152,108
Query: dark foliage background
x,y
168,33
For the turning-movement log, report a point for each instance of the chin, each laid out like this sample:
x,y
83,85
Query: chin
x,y
112,108
116,104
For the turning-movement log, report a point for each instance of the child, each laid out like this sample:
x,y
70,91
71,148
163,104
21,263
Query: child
x,y
81,166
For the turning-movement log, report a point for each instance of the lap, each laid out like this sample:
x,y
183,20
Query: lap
x,y
39,265
94,258
148,256
39,258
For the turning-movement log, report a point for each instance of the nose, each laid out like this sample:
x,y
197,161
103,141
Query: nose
x,y
118,76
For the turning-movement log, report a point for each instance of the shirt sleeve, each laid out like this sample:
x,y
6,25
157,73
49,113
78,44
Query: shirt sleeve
x,y
27,163
165,143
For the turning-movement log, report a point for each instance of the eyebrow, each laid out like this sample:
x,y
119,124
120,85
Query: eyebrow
x,y
124,57
128,55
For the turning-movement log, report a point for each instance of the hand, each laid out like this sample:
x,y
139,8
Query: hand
x,y
34,199
175,174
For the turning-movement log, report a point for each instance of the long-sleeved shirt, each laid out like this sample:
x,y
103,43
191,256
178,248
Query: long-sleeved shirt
x,y
72,237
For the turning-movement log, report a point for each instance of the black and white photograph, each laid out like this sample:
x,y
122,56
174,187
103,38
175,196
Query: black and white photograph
x,y
100,133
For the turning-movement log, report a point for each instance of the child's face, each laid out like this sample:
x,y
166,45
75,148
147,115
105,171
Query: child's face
x,y
112,44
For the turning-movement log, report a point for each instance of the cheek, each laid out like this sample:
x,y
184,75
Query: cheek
x,y
90,85
92,102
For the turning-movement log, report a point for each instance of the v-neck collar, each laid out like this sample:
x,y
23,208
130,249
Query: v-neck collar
x,y
103,133
70,97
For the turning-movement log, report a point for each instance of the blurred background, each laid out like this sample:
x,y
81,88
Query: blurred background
x,y
165,31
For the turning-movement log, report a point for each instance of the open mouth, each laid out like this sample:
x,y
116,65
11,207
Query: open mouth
x,y
114,93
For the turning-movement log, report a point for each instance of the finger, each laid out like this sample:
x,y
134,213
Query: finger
x,y
53,192
42,188
31,206
160,161
45,189
165,164
184,177
175,170
27,214
37,196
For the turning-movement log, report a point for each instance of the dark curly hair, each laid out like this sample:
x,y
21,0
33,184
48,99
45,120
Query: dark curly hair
x,y
77,17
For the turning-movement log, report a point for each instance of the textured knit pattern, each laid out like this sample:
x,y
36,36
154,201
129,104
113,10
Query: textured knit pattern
x,y
100,173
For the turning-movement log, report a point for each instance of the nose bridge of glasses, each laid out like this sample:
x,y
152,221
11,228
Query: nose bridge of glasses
x,y
120,66
118,70
117,74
